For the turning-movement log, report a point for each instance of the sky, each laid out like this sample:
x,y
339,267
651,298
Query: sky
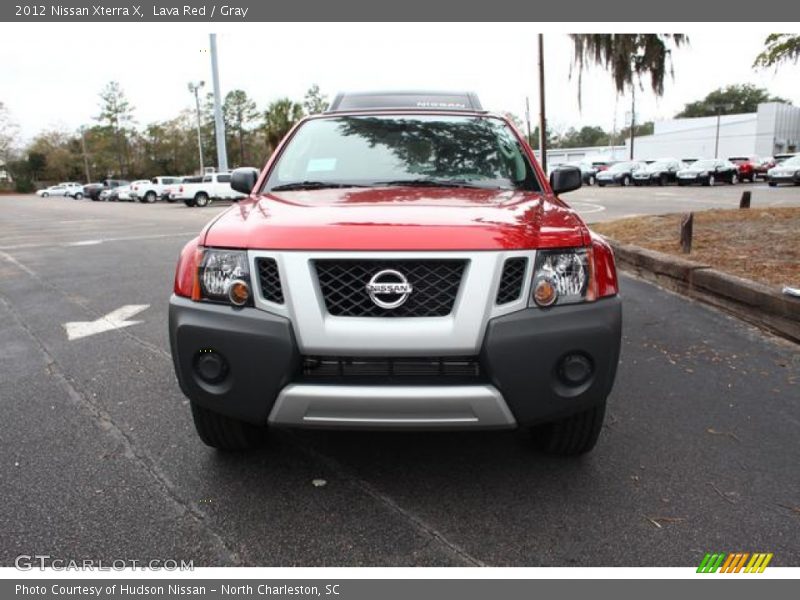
x,y
49,80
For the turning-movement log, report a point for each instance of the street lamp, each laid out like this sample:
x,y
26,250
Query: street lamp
x,y
719,108
194,88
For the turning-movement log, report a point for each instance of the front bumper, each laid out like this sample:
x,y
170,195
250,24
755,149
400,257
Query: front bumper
x,y
520,357
794,178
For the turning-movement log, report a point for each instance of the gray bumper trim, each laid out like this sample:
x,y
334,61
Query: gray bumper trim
x,y
392,407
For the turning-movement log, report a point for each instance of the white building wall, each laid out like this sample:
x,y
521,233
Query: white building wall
x,y
696,138
775,128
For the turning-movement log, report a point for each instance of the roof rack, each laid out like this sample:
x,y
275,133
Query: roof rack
x,y
457,101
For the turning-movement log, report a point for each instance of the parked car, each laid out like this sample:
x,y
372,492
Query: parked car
x,y
93,190
150,190
659,172
779,158
748,167
709,171
588,171
215,186
602,165
124,193
620,173
364,284
787,171
53,190
167,194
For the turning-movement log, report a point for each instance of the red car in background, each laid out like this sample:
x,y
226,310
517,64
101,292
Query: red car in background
x,y
750,167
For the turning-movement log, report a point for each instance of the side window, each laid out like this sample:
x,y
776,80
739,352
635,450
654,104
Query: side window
x,y
223,178
154,180
207,179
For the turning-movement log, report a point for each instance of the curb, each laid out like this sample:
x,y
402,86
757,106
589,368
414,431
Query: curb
x,y
757,304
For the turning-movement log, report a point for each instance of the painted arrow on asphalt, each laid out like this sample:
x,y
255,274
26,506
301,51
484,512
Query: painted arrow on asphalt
x,y
116,319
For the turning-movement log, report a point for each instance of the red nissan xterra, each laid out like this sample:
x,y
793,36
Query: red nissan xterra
x,y
401,262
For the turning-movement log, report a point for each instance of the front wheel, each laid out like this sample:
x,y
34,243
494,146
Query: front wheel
x,y
224,433
734,179
45,195
78,196
572,436
202,200
711,181
591,180
626,181
150,197
773,184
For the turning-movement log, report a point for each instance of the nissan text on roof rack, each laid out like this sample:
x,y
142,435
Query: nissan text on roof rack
x,y
401,262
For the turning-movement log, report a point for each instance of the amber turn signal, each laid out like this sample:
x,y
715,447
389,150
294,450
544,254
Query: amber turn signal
x,y
238,292
544,291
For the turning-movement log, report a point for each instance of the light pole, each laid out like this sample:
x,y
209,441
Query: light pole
x,y
719,108
86,170
194,88
219,124
542,117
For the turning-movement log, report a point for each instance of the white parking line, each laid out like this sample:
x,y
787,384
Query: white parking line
x,y
131,238
589,207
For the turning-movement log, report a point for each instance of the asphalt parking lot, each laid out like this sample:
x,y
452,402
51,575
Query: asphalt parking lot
x,y
99,458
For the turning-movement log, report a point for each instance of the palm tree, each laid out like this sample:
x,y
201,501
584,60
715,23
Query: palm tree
x,y
779,47
628,56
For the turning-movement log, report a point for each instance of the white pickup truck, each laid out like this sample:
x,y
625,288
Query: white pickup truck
x,y
152,190
215,186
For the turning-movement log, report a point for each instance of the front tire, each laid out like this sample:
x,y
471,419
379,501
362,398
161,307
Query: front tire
x,y
45,195
626,181
710,181
150,197
734,179
224,433
591,180
202,200
572,436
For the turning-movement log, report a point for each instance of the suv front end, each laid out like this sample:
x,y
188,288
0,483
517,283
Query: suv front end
x,y
397,307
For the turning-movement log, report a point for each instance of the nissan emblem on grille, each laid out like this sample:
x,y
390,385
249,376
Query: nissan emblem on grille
x,y
390,284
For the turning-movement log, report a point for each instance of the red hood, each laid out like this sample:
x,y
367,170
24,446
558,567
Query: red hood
x,y
397,218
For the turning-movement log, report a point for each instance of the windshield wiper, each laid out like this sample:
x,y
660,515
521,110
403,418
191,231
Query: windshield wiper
x,y
445,183
311,185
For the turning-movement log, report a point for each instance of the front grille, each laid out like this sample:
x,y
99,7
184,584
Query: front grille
x,y
435,284
270,280
511,282
330,368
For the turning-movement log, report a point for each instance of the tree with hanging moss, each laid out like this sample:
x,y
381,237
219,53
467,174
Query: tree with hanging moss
x,y
779,48
629,57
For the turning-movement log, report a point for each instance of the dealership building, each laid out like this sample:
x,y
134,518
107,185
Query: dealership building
x,y
773,129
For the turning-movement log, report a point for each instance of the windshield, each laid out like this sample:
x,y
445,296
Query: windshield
x,y
660,165
623,166
704,164
460,151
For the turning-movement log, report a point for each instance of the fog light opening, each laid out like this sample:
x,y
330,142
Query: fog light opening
x,y
575,369
210,366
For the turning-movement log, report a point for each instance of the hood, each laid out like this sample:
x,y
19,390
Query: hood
x,y
397,218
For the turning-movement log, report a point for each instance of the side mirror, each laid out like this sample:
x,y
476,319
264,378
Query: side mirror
x,y
566,179
244,179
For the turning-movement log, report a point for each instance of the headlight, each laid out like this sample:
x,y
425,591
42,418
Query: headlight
x,y
224,276
560,277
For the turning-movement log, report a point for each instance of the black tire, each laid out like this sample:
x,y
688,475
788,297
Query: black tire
x,y
202,200
591,180
189,202
224,433
78,196
662,181
734,179
45,195
710,182
150,197
601,184
572,436
626,181
773,184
